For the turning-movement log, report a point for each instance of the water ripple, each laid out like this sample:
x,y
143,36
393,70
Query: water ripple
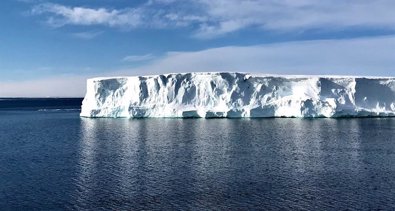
x,y
196,164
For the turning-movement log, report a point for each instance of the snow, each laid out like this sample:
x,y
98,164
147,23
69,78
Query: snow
x,y
235,95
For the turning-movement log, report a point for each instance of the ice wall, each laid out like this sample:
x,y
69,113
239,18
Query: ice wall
x,y
235,95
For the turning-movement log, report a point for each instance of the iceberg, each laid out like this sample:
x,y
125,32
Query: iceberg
x,y
236,95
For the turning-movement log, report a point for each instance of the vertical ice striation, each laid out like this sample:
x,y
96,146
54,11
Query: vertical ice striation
x,y
235,95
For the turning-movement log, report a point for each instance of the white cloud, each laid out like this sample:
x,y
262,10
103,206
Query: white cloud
x,y
215,18
138,58
65,15
367,56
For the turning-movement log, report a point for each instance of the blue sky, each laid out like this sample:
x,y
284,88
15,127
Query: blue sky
x,y
49,48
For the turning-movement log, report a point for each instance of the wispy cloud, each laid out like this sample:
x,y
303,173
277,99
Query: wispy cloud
x,y
87,35
232,15
216,18
138,58
64,15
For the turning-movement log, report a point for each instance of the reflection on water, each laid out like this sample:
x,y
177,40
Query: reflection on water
x,y
57,161
244,163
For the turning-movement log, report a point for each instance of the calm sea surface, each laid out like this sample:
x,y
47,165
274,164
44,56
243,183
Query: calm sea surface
x,y
52,159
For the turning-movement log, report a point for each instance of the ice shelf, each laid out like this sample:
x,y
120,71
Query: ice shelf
x,y
234,95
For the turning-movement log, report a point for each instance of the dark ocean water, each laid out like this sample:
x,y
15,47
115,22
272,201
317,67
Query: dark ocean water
x,y
52,159
40,103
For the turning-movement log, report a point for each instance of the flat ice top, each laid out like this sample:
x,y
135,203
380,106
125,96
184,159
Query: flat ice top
x,y
247,73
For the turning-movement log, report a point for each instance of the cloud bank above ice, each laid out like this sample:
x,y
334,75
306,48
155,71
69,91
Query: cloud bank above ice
x,y
365,56
368,56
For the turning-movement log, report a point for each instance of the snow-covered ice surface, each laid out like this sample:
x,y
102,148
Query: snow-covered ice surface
x,y
233,95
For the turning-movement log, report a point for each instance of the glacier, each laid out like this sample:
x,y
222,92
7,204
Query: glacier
x,y
236,95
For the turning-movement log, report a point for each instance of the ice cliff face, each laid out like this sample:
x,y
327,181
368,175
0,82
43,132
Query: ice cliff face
x,y
235,95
